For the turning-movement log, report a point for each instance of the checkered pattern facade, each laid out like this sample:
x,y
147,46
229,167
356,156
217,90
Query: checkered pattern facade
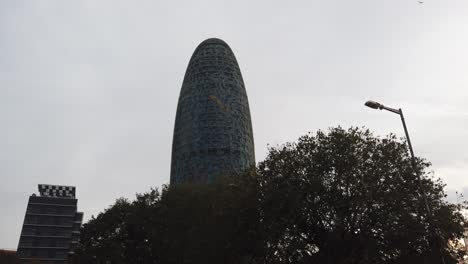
x,y
51,227
56,191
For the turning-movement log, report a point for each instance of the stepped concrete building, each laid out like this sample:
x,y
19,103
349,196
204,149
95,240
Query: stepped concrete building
x,y
51,226
213,129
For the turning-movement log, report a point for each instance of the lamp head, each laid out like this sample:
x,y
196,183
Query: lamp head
x,y
373,104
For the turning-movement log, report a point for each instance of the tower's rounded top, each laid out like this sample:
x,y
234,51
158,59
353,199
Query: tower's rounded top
x,y
212,41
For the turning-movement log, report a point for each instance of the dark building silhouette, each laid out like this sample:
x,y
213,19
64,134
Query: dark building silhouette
x,y
213,129
8,257
51,225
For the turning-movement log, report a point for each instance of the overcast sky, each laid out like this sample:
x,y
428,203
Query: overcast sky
x,y
89,89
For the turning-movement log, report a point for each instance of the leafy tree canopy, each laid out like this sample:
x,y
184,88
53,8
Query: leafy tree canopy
x,y
186,223
340,196
346,196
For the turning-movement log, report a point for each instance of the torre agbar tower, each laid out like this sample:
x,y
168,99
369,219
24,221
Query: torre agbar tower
x,y
213,130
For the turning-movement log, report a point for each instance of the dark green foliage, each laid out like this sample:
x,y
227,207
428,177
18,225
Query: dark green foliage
x,y
344,196
348,197
185,223
106,237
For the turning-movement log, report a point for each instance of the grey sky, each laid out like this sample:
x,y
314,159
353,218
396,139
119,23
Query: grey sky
x,y
88,89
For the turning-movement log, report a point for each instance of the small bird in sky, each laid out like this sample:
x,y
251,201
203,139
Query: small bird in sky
x,y
421,2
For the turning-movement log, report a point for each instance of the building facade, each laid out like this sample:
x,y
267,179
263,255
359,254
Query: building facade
x,y
8,257
51,225
213,130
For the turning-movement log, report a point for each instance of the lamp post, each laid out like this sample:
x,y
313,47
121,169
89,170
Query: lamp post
x,y
375,105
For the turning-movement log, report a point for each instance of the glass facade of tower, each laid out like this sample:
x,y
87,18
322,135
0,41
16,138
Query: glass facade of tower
x,y
213,130
51,225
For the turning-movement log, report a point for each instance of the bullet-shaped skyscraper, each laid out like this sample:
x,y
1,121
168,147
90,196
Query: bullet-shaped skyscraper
x,y
213,129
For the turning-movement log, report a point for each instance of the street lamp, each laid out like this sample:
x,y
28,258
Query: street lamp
x,y
375,105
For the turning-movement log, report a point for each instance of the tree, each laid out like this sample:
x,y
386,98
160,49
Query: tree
x,y
216,223
184,223
340,196
104,238
348,197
